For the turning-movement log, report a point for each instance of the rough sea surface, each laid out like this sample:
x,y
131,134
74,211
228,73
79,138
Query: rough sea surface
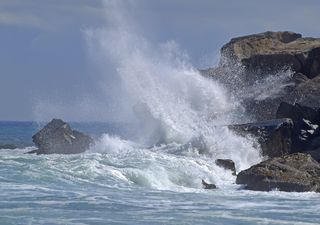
x,y
116,182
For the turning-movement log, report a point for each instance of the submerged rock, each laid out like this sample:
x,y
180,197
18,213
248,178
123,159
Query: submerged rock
x,y
274,136
227,164
7,146
296,172
208,186
58,137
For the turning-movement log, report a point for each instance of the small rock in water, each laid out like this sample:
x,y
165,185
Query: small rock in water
x,y
208,186
227,164
58,137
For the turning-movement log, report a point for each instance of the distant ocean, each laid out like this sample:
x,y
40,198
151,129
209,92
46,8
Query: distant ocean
x,y
119,182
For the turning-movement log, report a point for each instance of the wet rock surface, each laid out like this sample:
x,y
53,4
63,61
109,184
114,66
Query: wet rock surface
x,y
207,185
274,136
227,164
58,137
293,173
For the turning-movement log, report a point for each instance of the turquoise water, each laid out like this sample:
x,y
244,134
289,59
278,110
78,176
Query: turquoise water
x,y
116,182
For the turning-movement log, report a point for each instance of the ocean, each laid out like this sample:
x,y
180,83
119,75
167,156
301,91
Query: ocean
x,y
117,182
167,126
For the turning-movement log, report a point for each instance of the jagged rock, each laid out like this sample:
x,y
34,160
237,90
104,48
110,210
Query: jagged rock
x,y
296,172
208,186
273,51
274,136
227,164
58,137
7,146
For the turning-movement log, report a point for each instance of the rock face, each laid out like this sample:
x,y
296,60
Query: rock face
x,y
227,164
272,51
7,146
263,58
274,136
296,172
306,122
58,137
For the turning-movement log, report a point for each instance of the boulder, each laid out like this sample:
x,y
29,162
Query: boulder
x,y
58,137
296,172
272,51
208,186
274,136
227,164
7,146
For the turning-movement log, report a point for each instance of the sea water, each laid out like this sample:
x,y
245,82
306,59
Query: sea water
x,y
167,126
117,182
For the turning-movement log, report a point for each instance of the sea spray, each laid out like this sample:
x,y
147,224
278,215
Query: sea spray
x,y
180,116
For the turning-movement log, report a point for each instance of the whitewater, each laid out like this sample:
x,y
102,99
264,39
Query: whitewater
x,y
151,174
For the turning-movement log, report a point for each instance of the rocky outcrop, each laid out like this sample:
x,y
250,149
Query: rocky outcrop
x,y
58,137
227,164
273,51
296,172
285,62
7,146
274,136
276,75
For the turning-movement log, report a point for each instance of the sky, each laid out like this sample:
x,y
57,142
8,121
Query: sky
x,y
45,65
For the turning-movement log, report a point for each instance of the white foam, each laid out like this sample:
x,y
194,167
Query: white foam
x,y
172,104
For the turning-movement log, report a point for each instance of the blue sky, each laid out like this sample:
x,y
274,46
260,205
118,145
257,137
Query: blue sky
x,y
44,55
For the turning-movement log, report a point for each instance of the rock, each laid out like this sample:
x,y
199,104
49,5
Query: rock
x,y
313,144
296,172
227,164
7,146
315,154
32,151
273,51
58,137
208,186
306,122
274,136
307,93
297,112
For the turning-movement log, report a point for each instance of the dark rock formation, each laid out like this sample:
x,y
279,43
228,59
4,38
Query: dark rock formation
x,y
57,137
274,136
227,164
306,122
208,186
273,51
297,112
296,172
7,146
